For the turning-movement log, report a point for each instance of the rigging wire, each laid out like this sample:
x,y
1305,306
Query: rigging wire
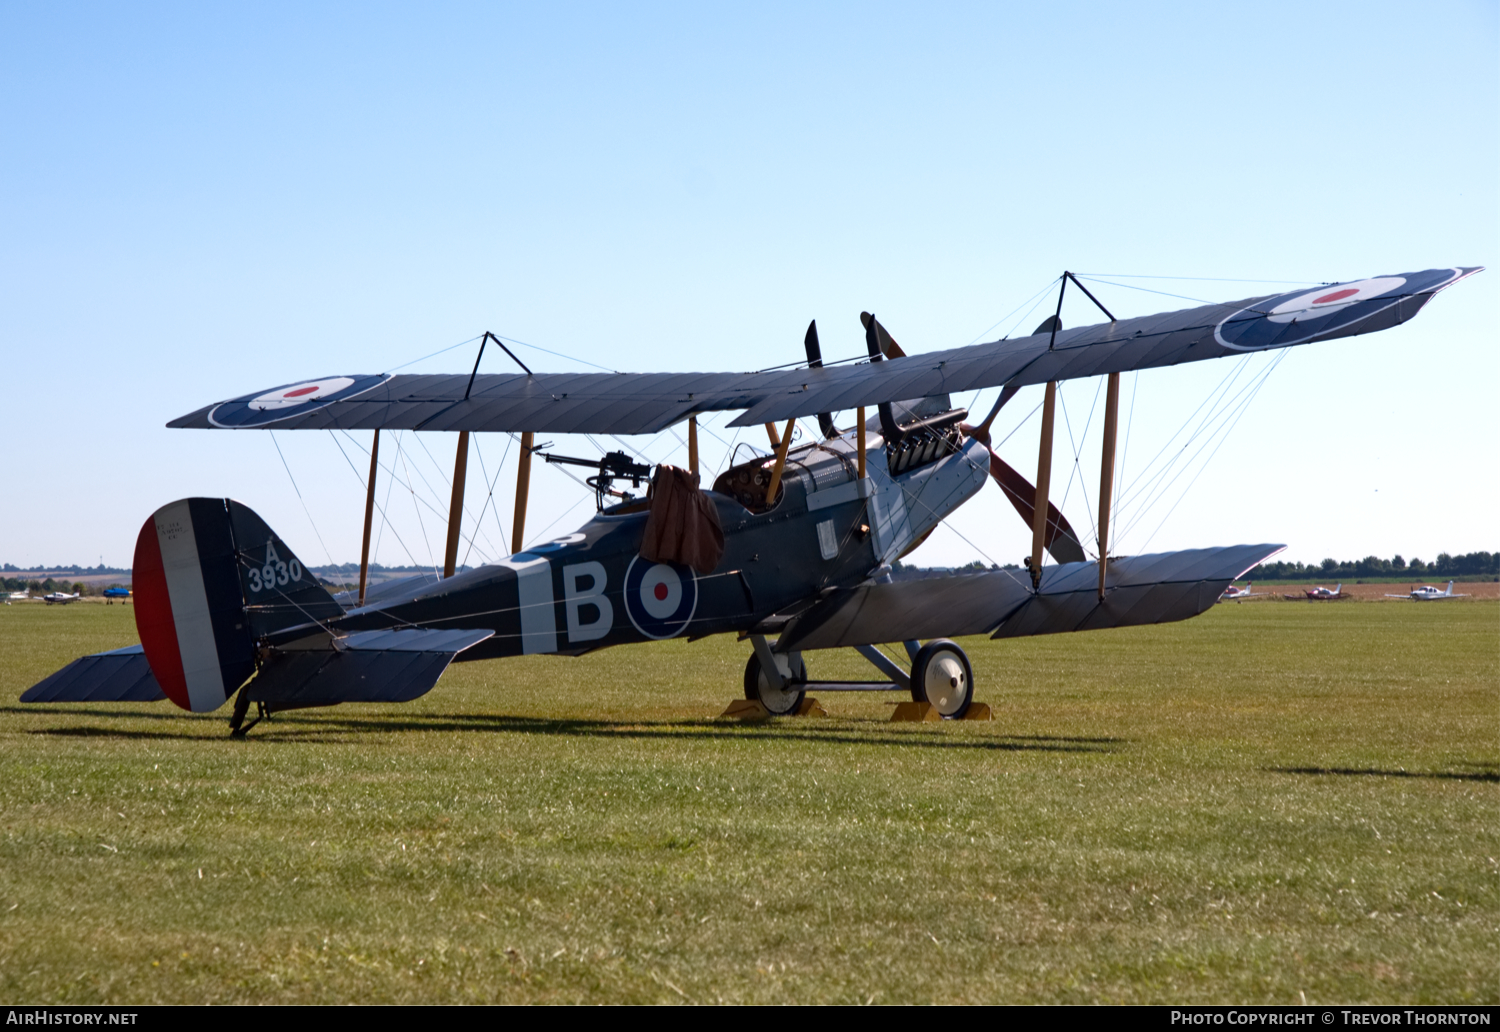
x,y
1127,498
1077,469
301,499
1034,300
464,510
559,354
488,498
400,455
1221,417
1243,408
377,504
436,353
1209,279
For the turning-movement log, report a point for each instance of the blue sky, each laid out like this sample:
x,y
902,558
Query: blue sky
x,y
201,201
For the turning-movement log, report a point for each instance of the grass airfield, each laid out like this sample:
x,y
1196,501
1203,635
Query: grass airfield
x,y
1270,803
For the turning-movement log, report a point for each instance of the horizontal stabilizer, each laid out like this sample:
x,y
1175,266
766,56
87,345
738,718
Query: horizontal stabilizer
x,y
122,675
1143,589
371,666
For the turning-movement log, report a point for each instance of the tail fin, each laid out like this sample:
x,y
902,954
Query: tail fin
x,y
1450,589
210,580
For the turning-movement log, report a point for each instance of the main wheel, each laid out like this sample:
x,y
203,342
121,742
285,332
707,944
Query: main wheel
x,y
758,689
941,675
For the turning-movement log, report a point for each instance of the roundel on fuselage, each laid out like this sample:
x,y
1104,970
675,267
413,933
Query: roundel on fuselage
x,y
660,598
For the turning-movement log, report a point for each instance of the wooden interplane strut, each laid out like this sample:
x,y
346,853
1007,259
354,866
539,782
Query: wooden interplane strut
x,y
523,488
1043,485
781,450
456,503
1107,472
693,445
364,551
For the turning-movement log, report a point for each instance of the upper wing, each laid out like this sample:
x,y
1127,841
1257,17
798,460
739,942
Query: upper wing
x,y
638,403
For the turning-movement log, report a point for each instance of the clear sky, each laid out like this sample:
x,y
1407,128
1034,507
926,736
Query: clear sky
x,y
202,200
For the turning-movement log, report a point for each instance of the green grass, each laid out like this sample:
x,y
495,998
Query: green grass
x,y
1265,802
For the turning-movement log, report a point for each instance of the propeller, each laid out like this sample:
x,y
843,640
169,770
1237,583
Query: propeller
x,y
1060,540
815,361
883,339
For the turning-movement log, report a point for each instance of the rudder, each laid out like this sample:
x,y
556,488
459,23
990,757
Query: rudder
x,y
210,580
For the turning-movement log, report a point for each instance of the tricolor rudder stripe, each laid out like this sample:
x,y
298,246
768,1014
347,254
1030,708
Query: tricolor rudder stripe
x,y
190,609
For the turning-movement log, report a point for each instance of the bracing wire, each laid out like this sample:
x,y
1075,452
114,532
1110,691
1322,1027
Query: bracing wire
x,y
1127,498
488,498
436,353
1220,417
1033,300
431,560
448,483
363,485
1242,409
305,510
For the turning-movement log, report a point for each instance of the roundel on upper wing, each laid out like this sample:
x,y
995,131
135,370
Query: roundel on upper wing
x,y
1306,314
289,400
660,598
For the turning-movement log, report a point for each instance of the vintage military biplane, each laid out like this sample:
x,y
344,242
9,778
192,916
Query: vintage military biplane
x,y
792,550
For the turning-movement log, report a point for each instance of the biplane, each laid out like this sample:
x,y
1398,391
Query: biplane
x,y
793,551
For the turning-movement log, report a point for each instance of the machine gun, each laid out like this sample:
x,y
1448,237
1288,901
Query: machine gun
x,y
612,466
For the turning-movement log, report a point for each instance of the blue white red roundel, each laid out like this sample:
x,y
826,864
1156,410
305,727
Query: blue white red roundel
x,y
660,598
292,399
1307,314
283,398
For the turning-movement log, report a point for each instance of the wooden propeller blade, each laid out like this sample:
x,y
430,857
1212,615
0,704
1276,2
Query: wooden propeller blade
x,y
1060,540
981,432
888,346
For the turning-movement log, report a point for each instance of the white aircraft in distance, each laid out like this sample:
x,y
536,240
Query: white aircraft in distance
x,y
60,598
1234,594
17,596
1428,593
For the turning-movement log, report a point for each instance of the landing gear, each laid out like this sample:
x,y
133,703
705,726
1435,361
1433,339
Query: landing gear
x,y
778,701
941,676
237,726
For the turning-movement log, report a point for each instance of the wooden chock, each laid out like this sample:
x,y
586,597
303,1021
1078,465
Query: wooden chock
x,y
745,709
920,712
811,707
923,712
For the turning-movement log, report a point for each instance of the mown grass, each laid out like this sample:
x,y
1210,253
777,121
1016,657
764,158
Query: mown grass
x,y
1264,803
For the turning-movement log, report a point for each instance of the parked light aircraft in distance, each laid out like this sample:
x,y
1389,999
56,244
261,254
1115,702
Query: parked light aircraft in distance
x,y
59,598
112,595
1318,594
1234,594
17,596
1429,593
794,551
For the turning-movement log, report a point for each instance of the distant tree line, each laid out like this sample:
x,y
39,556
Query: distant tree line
x,y
48,586
1474,564
92,571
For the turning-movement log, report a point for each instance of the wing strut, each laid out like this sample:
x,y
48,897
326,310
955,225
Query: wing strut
x,y
364,550
1107,471
1043,485
456,502
781,450
523,488
693,445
